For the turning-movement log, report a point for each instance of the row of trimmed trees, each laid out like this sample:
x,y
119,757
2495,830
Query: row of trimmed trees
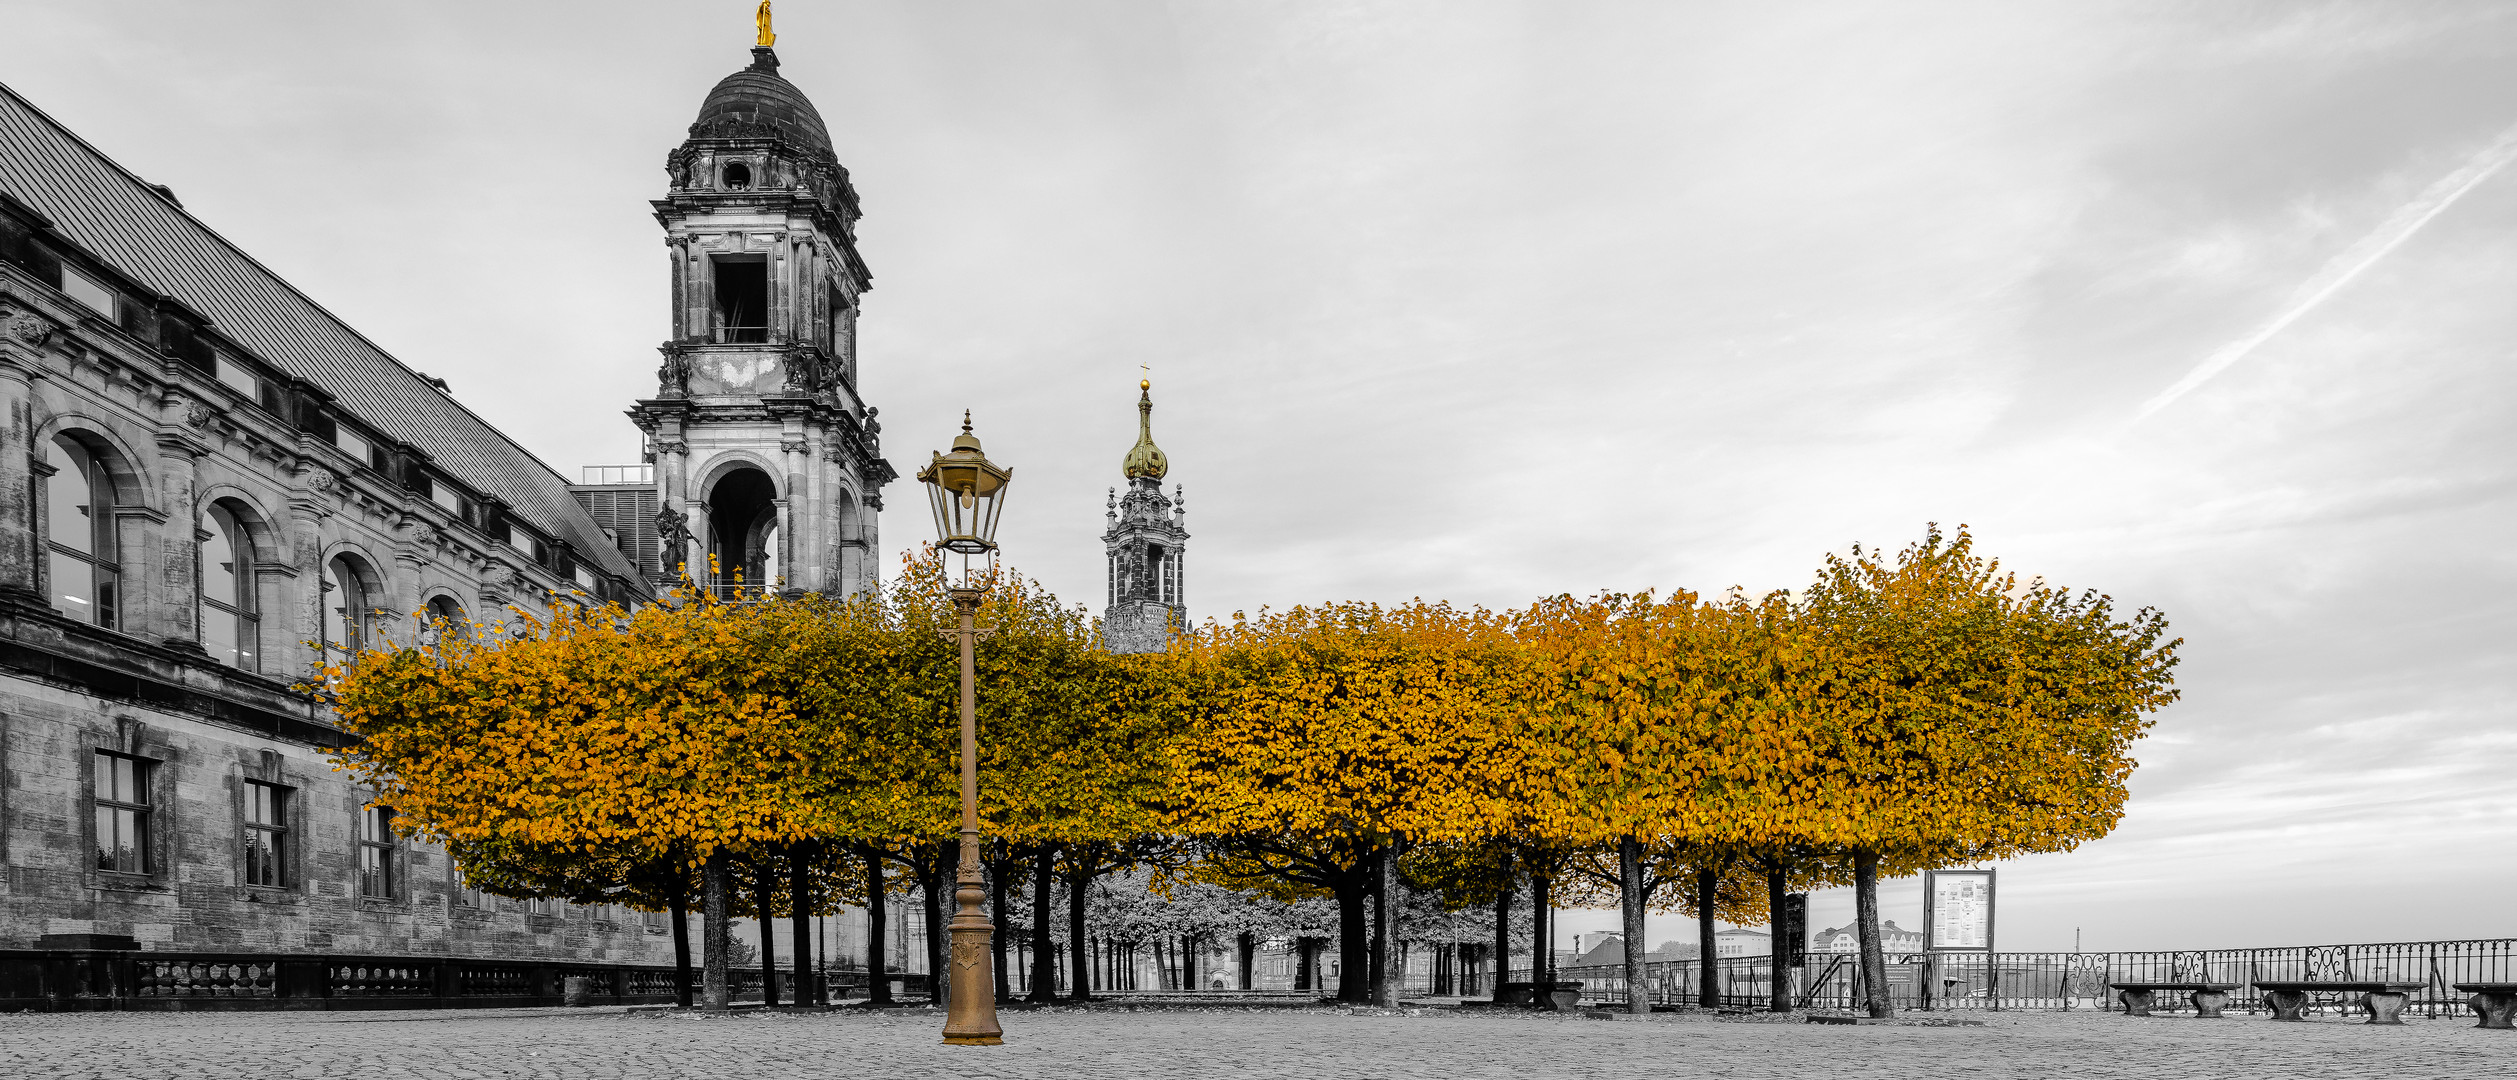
x,y
1683,752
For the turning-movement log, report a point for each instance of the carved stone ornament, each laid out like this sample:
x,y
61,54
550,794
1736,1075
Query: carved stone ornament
x,y
28,327
198,415
673,376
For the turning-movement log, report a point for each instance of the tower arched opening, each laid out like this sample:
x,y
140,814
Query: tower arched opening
x,y
743,531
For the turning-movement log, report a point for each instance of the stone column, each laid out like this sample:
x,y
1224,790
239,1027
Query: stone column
x,y
402,592
781,290
20,334
795,558
299,617
170,610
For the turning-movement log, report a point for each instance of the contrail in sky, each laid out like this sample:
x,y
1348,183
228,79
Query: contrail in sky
x,y
2339,271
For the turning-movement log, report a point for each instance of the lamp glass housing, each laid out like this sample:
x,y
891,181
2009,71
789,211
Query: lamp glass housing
x,y
967,492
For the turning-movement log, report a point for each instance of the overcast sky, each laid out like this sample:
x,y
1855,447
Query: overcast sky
x,y
2209,307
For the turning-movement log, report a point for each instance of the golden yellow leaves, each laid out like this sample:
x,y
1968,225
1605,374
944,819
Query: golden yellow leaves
x,y
1929,708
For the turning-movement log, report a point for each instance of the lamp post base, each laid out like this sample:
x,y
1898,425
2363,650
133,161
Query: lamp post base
x,y
971,1020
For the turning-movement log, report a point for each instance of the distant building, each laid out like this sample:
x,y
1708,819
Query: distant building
x,y
1598,950
1892,938
1742,943
1146,541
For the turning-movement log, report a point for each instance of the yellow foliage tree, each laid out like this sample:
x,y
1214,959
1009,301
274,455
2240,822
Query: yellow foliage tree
x,y
1954,713
1324,737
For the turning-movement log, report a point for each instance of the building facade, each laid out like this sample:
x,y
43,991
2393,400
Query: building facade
x,y
1146,542
210,488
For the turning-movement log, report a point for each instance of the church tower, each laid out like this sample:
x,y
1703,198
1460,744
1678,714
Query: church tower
x,y
766,458
1147,540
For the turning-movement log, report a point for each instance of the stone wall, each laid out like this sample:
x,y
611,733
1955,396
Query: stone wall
x,y
194,897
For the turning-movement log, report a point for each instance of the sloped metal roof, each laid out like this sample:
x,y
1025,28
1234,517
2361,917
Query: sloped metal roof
x,y
116,216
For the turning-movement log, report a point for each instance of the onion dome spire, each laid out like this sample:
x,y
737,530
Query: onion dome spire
x,y
1145,459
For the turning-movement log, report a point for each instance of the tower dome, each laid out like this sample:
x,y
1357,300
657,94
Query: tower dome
x,y
1145,459
757,102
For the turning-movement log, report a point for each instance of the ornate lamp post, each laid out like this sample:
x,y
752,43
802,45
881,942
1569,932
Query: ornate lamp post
x,y
968,491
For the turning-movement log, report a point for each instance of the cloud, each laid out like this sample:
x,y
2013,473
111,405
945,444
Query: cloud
x,y
2355,260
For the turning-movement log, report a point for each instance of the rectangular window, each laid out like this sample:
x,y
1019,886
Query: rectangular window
x,y
742,301
543,906
585,577
353,445
239,378
98,296
375,852
468,895
266,834
446,496
122,813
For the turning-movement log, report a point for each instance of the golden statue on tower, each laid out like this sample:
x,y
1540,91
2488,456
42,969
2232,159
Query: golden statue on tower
x,y
761,17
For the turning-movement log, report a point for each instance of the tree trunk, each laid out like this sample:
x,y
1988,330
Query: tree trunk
x,y
1247,948
1043,944
1354,924
800,908
1001,893
1384,992
764,904
1502,964
680,907
1866,919
1078,891
1777,896
713,938
1542,953
931,886
1630,897
1708,993
877,930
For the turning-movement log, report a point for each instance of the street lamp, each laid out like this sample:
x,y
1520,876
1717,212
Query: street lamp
x,y
968,491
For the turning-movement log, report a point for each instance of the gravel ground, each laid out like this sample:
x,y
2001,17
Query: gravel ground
x,y
1153,1041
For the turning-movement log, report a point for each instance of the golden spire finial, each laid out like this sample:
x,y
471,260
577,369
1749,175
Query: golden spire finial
x,y
761,17
1145,459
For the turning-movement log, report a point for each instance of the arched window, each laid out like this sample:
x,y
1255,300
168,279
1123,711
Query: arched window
x,y
445,620
738,177
348,618
230,630
83,564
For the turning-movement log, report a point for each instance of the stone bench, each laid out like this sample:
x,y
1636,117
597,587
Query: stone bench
x,y
2493,1001
2383,1001
2208,997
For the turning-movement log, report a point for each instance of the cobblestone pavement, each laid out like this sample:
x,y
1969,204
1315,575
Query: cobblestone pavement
x,y
1311,1044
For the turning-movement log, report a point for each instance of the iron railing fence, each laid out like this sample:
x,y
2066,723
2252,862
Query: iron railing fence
x,y
2065,980
93,979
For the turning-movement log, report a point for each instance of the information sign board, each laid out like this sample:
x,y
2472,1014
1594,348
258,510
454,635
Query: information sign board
x,y
1958,910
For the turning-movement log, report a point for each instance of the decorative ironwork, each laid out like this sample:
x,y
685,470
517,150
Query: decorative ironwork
x,y
2067,980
